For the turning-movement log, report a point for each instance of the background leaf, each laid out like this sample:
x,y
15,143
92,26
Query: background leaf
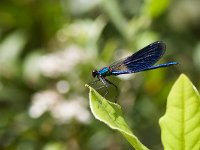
x,y
112,115
180,126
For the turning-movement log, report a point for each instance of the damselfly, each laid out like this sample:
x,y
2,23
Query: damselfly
x,y
142,60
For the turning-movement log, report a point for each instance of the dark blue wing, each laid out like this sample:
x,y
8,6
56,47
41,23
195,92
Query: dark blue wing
x,y
142,60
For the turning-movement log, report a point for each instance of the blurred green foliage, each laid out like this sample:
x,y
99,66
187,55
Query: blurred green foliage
x,y
48,49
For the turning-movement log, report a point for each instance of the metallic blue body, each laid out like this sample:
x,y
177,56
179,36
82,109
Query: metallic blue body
x,y
104,72
142,60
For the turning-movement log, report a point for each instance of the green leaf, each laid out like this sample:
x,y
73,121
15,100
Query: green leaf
x,y
112,115
180,126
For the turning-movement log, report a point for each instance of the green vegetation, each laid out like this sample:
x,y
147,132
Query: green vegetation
x,y
111,114
179,126
48,50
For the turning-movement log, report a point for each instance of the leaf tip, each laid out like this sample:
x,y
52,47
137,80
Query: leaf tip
x,y
86,85
183,79
90,88
183,76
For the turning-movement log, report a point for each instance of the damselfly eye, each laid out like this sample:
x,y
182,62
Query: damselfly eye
x,y
94,73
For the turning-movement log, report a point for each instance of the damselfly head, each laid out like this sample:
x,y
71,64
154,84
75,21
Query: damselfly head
x,y
94,73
